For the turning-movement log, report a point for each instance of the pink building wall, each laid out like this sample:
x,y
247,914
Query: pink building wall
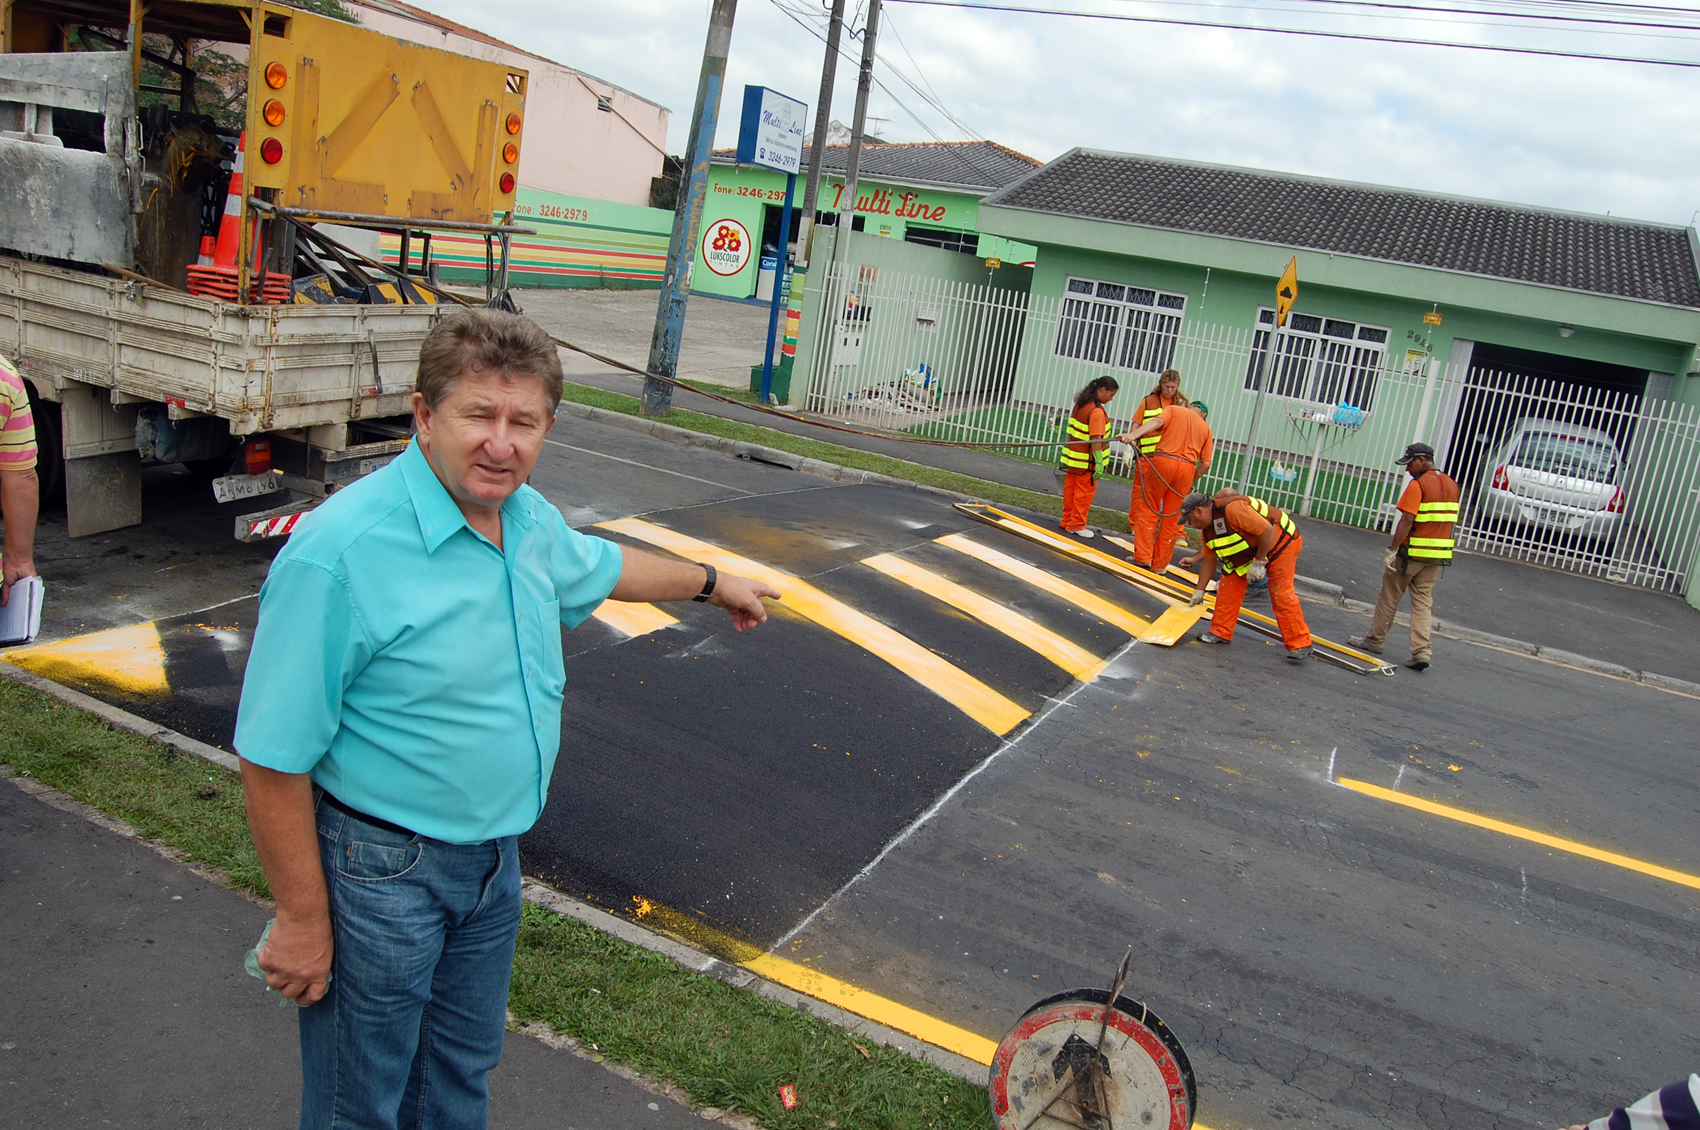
x,y
571,145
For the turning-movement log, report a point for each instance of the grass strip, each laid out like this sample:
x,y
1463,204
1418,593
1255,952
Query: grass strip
x,y
723,1046
851,457
190,805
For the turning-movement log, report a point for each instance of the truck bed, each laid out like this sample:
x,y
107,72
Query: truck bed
x,y
263,368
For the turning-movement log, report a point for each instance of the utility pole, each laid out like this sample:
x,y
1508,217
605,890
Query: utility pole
x,y
864,82
823,117
687,216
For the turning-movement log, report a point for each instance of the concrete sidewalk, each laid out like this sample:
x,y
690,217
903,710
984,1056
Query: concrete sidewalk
x,y
127,1004
1633,627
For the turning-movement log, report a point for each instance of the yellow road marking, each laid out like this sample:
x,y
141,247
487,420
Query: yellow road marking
x,y
968,694
130,659
810,982
631,618
1090,603
1521,833
1070,656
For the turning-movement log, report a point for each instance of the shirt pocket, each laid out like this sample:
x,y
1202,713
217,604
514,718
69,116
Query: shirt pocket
x,y
550,675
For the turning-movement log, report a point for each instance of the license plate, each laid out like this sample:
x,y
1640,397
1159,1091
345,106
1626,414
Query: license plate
x,y
233,487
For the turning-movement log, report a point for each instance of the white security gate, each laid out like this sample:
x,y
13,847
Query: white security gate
x,y
1606,484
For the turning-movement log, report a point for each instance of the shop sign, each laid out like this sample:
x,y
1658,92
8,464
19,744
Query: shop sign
x,y
771,131
725,246
887,202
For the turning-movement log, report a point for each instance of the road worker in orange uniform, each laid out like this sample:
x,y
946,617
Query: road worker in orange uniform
x,y
1166,392
1183,452
1253,541
1086,453
1422,547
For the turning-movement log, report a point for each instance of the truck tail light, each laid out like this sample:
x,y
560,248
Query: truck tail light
x,y
513,123
271,150
1501,481
510,152
273,112
1615,506
257,457
506,183
276,75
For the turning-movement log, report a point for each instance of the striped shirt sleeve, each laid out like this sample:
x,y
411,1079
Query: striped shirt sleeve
x,y
1676,1107
17,424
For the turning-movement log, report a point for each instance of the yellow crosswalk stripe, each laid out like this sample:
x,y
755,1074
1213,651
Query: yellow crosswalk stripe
x,y
631,618
1070,656
968,694
1088,602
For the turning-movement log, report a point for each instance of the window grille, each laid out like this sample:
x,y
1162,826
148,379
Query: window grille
x,y
1321,360
1128,327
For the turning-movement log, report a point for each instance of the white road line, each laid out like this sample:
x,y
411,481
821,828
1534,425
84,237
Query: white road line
x,y
646,466
933,809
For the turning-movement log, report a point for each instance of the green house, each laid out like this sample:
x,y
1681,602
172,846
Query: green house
x,y
1548,356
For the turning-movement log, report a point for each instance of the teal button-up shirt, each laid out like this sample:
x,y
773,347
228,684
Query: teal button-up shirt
x,y
412,667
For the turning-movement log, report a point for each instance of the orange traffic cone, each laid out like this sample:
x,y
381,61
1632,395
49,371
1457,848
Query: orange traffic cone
x,y
208,245
217,278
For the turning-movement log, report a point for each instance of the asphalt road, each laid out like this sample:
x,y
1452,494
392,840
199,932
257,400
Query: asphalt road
x,y
1325,955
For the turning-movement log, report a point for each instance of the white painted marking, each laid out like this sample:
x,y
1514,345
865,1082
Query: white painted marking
x,y
933,809
1332,754
1399,777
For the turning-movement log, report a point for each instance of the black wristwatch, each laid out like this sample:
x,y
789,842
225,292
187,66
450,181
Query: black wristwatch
x,y
708,585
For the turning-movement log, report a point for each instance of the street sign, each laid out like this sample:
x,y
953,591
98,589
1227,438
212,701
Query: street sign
x,y
1431,318
771,132
1286,291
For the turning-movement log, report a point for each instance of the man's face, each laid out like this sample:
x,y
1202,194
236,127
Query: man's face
x,y
1200,516
484,437
1419,466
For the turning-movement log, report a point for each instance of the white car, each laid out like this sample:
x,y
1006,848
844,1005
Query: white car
x,y
1554,477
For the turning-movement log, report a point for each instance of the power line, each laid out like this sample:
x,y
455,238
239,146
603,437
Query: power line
x,y
1391,8
1352,36
955,151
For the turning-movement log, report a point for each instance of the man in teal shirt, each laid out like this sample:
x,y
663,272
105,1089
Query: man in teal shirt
x,y
400,717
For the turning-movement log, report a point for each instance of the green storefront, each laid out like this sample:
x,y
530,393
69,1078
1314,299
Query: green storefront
x,y
926,193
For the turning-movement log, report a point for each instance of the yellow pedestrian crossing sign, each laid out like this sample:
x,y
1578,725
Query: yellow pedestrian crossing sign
x,y
1286,292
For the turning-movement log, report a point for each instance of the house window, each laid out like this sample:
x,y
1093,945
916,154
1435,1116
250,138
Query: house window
x,y
1322,360
1128,327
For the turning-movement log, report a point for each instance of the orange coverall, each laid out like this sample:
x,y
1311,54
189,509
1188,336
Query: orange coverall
x,y
1080,486
1165,477
1230,592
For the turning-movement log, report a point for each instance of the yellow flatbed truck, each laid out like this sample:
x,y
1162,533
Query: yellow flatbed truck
x,y
104,201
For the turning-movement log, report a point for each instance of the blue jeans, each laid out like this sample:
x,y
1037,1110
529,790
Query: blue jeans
x,y
417,1006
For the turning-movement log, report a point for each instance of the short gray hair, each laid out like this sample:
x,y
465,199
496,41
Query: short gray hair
x,y
482,340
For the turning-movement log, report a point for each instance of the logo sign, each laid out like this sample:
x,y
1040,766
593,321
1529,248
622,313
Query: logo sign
x,y
1287,291
1431,318
771,132
725,246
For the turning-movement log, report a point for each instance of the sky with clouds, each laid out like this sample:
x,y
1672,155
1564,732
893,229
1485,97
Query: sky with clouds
x,y
1564,133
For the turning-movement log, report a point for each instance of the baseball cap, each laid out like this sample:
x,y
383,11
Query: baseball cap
x,y
1201,408
1415,450
1192,502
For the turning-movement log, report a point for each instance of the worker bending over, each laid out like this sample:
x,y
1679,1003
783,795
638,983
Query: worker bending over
x,y
1422,546
1253,541
1182,454
1146,484
1087,453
